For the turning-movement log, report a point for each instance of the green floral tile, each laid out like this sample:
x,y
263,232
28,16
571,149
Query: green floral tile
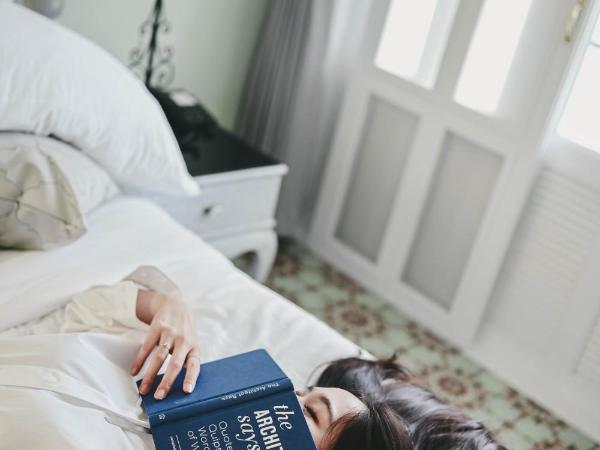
x,y
513,440
571,439
519,423
493,384
501,408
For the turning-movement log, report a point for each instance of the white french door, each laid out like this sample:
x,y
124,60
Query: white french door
x,y
435,150
444,138
543,315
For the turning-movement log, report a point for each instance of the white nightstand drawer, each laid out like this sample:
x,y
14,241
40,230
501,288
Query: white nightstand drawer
x,y
230,202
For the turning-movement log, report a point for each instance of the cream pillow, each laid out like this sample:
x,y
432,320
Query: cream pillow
x,y
46,188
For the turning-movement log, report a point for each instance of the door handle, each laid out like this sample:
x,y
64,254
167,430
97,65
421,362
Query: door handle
x,y
573,20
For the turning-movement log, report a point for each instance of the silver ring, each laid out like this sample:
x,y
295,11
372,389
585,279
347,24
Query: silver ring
x,y
166,346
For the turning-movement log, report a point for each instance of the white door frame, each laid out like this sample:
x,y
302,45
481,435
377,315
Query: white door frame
x,y
518,141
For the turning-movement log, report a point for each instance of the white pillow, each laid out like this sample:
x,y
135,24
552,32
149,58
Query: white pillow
x,y
55,82
46,188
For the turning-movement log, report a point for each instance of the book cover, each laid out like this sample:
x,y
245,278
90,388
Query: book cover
x,y
244,402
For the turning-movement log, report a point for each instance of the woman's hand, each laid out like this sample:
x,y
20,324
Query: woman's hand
x,y
172,329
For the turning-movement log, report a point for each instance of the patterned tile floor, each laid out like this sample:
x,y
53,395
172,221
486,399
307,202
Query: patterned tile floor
x,y
364,318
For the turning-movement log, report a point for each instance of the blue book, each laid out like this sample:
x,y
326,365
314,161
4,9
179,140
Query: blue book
x,y
244,402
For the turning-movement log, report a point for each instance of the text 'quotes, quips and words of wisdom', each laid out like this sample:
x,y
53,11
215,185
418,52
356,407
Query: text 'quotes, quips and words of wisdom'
x,y
259,431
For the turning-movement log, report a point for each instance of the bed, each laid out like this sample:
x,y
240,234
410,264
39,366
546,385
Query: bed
x,y
74,184
234,312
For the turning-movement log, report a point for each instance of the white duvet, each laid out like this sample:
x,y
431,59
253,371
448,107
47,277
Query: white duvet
x,y
74,389
129,232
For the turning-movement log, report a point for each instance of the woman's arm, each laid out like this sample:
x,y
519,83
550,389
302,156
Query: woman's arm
x,y
172,329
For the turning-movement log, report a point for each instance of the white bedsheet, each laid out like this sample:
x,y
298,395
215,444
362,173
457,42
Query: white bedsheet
x,y
237,313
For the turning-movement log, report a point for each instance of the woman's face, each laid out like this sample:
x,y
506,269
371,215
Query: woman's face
x,y
323,406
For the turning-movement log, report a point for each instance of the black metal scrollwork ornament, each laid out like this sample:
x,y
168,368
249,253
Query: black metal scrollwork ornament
x,y
151,62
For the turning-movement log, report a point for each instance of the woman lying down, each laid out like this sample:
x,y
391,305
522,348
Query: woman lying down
x,y
71,386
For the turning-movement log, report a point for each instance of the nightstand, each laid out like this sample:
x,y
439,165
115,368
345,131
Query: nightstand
x,y
235,211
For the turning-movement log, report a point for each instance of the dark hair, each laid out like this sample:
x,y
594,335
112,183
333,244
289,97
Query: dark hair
x,y
401,413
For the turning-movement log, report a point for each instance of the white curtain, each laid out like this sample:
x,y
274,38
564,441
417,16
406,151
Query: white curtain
x,y
294,91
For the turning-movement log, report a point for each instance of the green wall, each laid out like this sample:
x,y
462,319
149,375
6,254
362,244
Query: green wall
x,y
214,41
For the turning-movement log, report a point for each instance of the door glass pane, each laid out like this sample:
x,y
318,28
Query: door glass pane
x,y
414,38
580,121
491,53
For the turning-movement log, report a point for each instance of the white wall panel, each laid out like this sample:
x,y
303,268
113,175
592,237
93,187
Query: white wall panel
x,y
387,137
462,186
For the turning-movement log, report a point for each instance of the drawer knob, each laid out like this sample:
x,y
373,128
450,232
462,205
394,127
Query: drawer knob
x,y
212,211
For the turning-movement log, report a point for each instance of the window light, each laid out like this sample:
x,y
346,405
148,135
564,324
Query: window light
x,y
491,53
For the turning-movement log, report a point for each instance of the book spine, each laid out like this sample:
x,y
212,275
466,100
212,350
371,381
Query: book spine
x,y
222,401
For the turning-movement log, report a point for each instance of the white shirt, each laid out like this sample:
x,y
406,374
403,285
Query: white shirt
x,y
68,386
64,379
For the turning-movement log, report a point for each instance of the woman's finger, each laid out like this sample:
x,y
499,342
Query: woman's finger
x,y
145,350
161,353
192,370
175,364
